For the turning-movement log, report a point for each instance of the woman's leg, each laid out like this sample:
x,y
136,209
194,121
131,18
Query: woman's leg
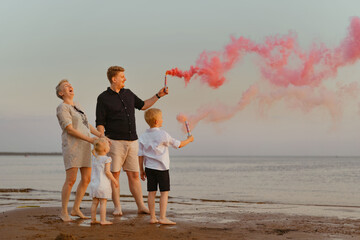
x,y
94,206
103,212
80,191
66,191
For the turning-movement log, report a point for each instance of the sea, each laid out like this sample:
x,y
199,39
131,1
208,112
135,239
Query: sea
x,y
320,186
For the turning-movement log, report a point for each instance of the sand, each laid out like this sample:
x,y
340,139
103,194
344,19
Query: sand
x,y
43,223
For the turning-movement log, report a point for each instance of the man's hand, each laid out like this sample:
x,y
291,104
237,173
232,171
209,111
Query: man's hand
x,y
164,91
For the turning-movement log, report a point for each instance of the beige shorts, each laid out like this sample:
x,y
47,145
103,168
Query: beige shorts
x,y
124,155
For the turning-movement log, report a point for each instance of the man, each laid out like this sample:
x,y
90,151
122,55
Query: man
x,y
115,114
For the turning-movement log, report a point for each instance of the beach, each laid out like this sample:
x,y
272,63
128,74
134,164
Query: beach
x,y
43,223
210,198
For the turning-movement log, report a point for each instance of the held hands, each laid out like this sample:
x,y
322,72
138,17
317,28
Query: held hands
x,y
116,184
142,175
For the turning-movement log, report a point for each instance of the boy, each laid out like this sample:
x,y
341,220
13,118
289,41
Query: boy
x,y
154,153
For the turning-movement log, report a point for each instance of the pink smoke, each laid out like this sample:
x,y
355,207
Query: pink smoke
x,y
315,65
219,112
299,85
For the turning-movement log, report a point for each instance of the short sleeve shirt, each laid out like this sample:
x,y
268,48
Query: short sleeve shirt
x,y
116,112
154,147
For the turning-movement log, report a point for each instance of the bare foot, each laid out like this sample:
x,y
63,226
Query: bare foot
x,y
106,223
117,212
95,222
154,220
166,221
143,210
65,217
78,213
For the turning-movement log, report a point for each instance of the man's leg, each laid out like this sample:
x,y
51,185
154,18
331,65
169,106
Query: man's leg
x,y
136,191
116,195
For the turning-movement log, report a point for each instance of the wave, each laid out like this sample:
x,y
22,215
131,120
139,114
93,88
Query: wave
x,y
48,195
8,190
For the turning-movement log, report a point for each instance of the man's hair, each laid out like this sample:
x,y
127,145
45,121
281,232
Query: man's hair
x,y
58,87
151,115
113,70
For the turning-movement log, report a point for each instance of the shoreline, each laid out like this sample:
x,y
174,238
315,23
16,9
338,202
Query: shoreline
x,y
44,223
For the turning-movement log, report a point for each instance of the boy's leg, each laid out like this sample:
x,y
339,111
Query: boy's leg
x,y
151,204
94,206
103,212
163,204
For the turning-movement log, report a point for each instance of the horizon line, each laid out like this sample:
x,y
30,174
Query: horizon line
x,y
60,153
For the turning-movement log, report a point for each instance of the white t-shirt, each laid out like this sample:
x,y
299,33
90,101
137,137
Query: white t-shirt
x,y
154,147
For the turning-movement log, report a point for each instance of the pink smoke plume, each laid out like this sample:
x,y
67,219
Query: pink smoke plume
x,y
299,85
219,112
315,66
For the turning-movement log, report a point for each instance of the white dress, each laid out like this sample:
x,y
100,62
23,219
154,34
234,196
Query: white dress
x,y
100,184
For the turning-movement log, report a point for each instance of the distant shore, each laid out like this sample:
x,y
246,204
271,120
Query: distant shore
x,y
194,156
30,153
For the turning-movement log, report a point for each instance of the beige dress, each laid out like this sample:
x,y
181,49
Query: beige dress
x,y
76,152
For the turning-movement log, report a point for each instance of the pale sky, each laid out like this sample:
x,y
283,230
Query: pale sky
x,y
44,41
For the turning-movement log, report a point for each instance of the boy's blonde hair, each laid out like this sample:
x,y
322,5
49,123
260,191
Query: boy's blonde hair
x,y
151,115
99,144
58,87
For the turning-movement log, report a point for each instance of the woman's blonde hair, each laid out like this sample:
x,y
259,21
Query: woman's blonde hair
x,y
151,116
58,87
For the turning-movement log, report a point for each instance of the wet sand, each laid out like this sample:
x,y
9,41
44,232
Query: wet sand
x,y
43,223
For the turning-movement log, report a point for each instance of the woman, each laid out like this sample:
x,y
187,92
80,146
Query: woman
x,y
76,148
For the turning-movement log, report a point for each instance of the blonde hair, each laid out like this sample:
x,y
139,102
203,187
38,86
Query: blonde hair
x,y
57,88
112,71
151,115
99,144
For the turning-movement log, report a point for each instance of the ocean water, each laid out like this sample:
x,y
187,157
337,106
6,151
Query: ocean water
x,y
324,186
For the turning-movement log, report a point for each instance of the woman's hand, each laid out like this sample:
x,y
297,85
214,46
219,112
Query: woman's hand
x,y
92,140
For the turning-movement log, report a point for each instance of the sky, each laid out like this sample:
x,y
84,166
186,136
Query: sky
x,y
43,42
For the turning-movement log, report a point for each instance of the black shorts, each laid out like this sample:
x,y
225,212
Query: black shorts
x,y
157,177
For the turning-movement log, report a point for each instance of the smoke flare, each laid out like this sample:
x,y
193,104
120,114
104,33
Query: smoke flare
x,y
300,84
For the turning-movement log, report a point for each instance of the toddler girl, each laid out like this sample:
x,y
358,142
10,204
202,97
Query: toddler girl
x,y
100,185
